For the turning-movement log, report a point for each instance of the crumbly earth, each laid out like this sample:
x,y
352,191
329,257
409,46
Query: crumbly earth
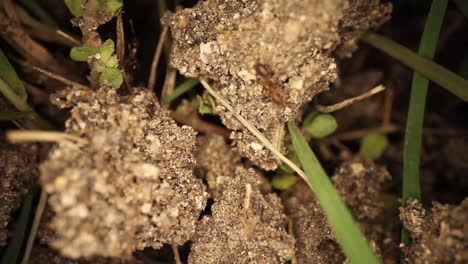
x,y
18,173
227,40
438,236
360,184
360,17
246,226
42,255
130,187
217,162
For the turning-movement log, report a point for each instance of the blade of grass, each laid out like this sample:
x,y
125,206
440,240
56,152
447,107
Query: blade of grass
x,y
13,250
13,115
429,69
9,76
12,88
184,87
350,238
162,7
414,125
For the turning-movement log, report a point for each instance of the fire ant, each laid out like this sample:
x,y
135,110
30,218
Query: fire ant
x,y
265,75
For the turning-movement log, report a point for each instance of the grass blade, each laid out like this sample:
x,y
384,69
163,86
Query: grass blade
x,y
8,115
180,90
9,76
347,232
429,69
13,250
414,125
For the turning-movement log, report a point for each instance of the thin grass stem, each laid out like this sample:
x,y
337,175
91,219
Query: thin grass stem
x,y
414,125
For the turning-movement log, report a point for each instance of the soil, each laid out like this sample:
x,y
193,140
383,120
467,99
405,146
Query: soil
x,y
162,183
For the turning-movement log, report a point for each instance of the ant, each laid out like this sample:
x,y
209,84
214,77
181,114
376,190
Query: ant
x,y
265,74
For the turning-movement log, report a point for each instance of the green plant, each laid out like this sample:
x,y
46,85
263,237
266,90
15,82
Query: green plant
x,y
322,125
414,125
104,61
373,145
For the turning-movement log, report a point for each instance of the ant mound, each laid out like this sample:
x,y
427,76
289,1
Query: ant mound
x,y
268,57
130,187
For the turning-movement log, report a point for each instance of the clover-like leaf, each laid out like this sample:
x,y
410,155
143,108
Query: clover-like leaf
x,y
112,6
83,53
106,50
75,6
112,76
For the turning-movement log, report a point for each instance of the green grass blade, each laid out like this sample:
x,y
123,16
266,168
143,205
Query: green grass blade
x,y
15,97
162,7
8,115
347,232
429,69
9,76
180,90
414,125
13,250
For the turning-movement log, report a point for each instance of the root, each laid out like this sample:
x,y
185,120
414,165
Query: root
x,y
348,102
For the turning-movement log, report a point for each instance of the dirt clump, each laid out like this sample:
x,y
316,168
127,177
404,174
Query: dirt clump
x,y
268,57
130,187
18,174
245,226
360,17
217,163
360,184
439,235
42,254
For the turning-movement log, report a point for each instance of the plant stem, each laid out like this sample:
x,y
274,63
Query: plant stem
x,y
429,69
414,125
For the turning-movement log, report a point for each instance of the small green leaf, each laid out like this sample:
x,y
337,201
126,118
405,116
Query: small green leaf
x,y
322,126
373,145
106,50
203,108
113,62
112,76
292,157
283,181
112,6
75,6
10,78
83,53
